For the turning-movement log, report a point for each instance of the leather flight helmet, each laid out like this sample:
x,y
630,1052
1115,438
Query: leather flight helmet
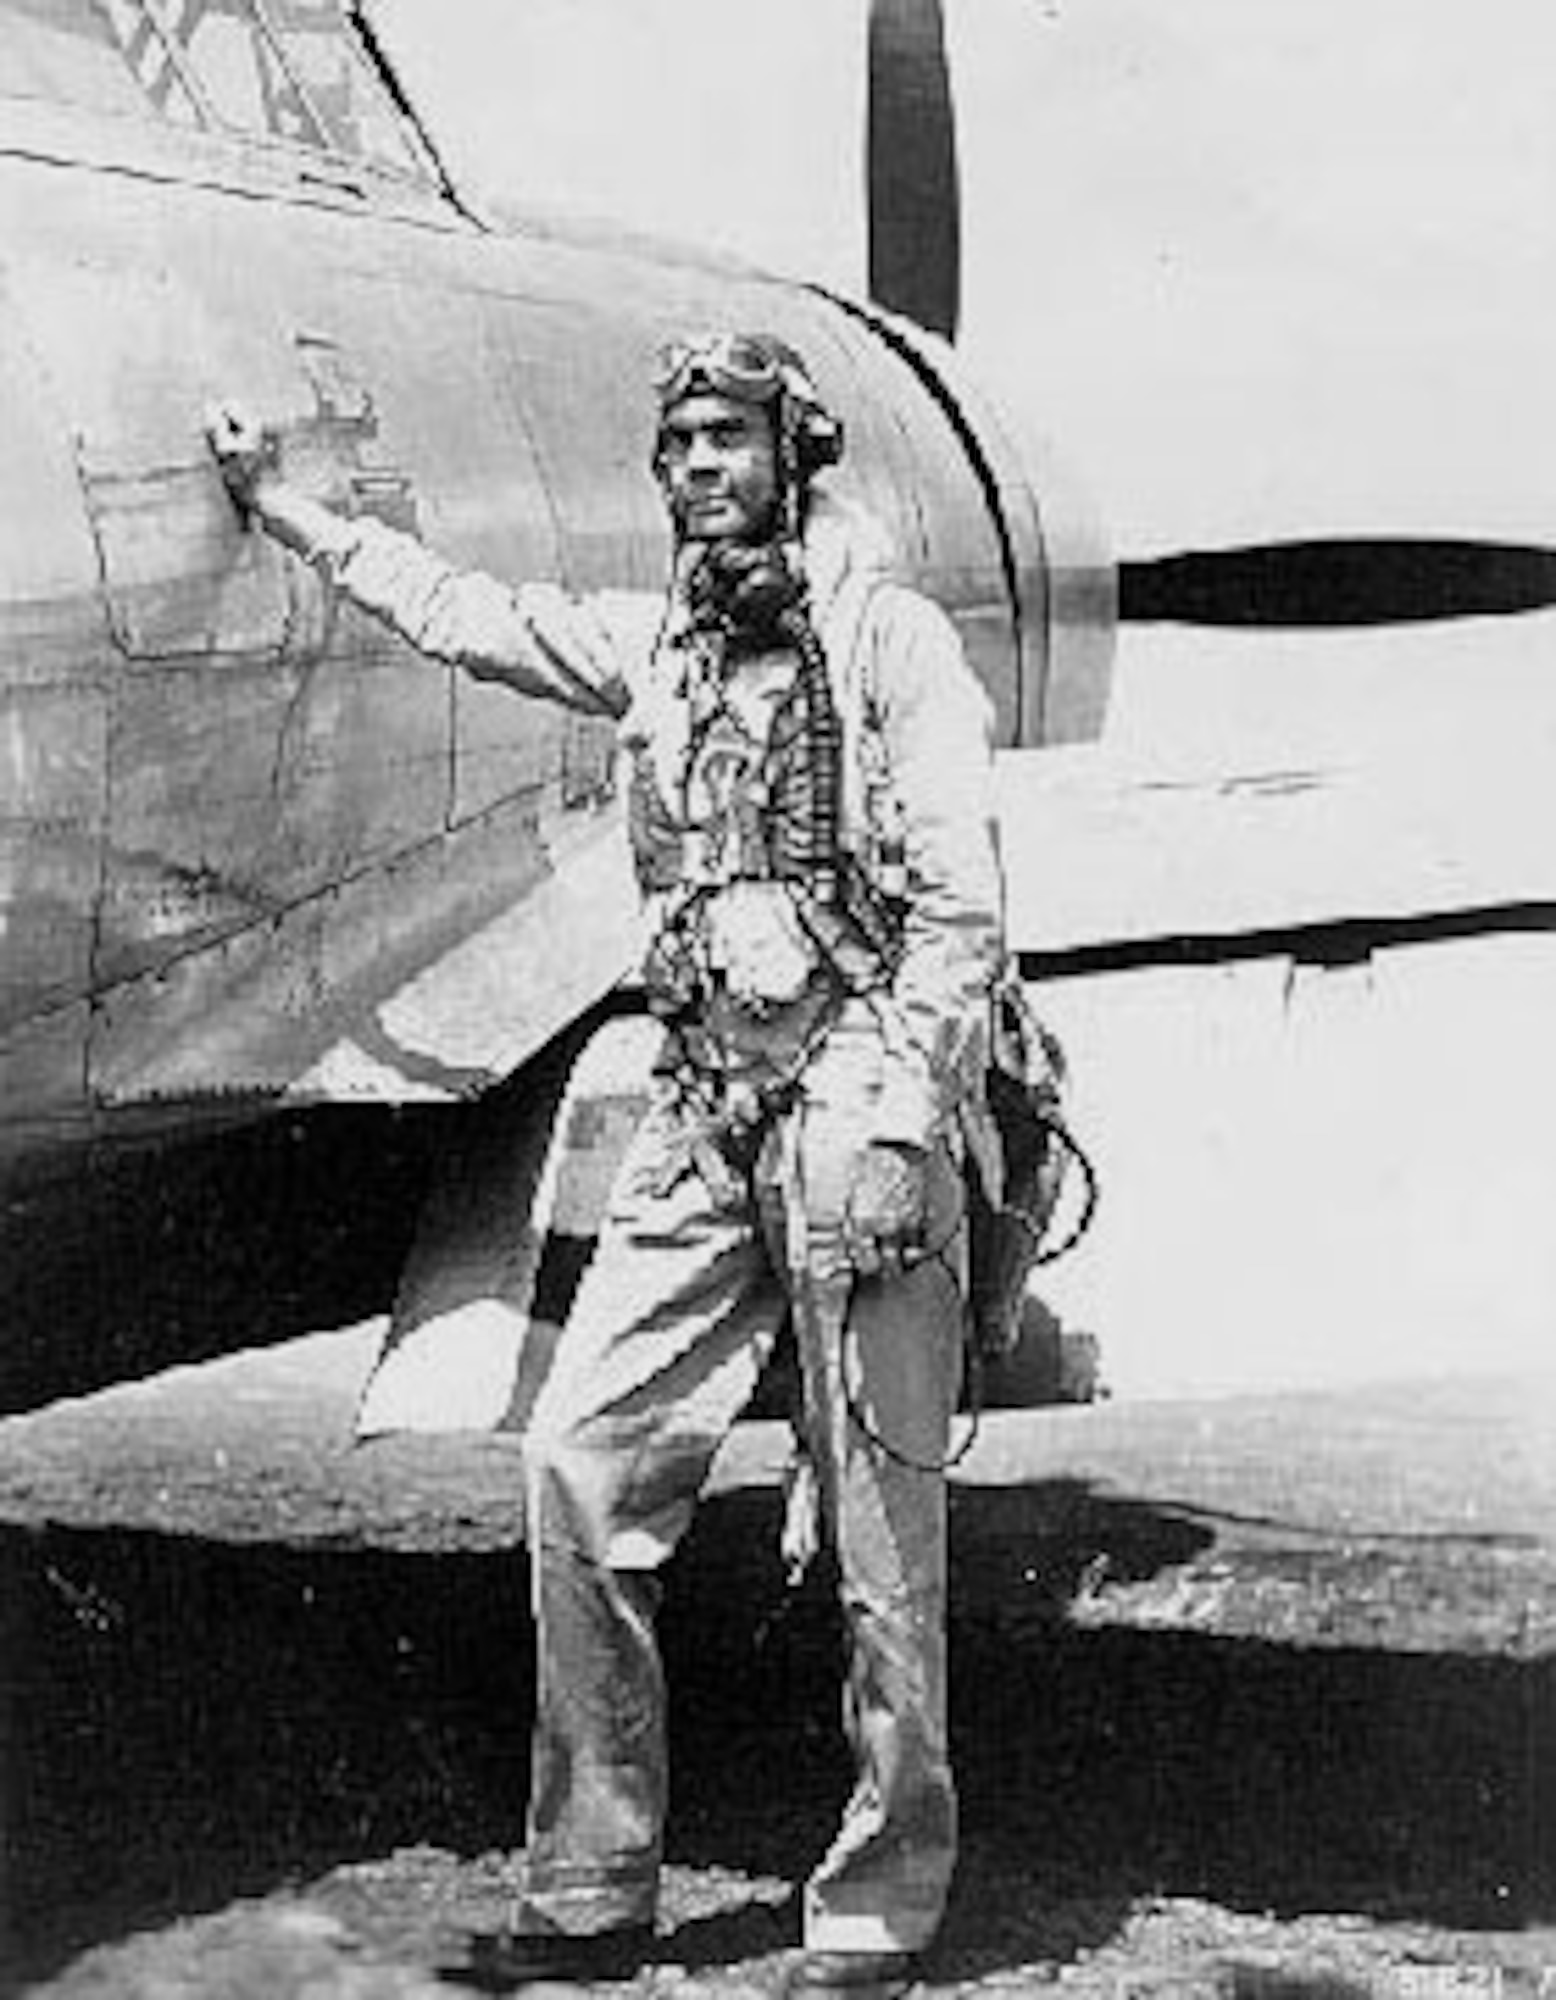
x,y
755,368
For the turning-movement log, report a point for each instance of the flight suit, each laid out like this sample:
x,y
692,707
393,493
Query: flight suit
x,y
700,1258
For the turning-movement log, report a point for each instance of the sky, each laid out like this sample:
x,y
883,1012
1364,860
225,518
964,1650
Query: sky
x,y
1261,270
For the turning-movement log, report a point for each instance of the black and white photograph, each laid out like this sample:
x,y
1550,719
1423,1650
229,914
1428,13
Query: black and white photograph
x,y
890,662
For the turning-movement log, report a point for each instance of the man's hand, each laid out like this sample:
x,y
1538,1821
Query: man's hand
x,y
247,451
885,1215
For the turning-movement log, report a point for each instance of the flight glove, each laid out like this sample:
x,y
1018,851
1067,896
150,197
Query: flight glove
x,y
886,1209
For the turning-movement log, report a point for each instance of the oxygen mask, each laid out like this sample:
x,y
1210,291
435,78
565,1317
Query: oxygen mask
x,y
751,592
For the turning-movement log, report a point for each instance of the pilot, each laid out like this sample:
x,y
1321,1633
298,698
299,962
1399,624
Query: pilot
x,y
808,790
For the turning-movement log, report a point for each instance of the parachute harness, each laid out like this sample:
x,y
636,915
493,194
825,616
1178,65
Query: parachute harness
x,y
741,602
856,926
753,598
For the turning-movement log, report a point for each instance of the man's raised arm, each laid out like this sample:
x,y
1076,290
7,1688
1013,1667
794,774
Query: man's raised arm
x,y
536,638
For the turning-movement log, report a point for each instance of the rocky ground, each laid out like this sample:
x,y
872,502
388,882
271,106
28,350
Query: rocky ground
x,y
264,1707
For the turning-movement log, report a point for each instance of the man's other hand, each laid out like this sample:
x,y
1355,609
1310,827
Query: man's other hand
x,y
885,1214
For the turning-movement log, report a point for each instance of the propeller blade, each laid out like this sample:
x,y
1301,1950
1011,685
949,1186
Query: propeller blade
x,y
1339,583
913,198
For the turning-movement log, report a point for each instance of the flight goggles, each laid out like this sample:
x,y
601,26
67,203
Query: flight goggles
x,y
741,365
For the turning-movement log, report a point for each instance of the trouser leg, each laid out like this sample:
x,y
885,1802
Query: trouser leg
x,y
663,1347
882,1357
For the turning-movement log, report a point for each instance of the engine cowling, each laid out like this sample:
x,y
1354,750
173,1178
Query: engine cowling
x,y
1060,576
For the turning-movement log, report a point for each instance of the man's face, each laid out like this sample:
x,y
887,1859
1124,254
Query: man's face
x,y
720,469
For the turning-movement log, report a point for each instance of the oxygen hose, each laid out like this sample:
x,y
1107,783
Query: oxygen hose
x,y
816,828
976,1360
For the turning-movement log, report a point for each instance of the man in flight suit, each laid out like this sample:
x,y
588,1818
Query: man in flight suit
x,y
808,791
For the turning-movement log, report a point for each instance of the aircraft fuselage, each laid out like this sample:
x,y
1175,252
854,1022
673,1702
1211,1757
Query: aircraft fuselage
x,y
255,852
237,820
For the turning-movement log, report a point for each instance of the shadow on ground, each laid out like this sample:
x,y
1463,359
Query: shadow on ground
x,y
143,1257
186,1723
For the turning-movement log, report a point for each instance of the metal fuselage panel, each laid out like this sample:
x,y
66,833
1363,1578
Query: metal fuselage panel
x,y
236,820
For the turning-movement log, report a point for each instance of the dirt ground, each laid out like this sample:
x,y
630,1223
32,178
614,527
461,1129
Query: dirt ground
x,y
1257,1702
